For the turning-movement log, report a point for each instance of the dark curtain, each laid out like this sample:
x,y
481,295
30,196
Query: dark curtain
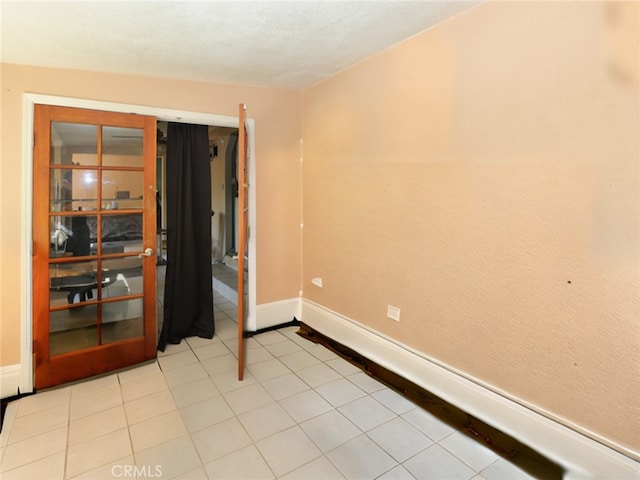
x,y
188,295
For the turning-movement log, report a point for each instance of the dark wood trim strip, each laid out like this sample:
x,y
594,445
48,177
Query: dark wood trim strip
x,y
292,323
504,445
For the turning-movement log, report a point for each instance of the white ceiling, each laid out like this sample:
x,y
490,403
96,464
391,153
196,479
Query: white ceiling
x,y
264,43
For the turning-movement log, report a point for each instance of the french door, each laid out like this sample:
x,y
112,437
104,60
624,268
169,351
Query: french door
x,y
243,222
94,235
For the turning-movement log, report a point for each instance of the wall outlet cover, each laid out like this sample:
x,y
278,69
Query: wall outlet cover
x,y
393,313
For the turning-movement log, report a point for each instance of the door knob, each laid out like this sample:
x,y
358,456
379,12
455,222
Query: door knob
x,y
147,253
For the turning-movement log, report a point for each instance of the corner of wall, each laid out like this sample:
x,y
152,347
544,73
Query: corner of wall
x,y
10,376
276,313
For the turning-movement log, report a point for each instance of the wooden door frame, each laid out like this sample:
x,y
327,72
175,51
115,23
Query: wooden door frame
x,y
26,375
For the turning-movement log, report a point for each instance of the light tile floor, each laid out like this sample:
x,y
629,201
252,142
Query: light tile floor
x,y
301,412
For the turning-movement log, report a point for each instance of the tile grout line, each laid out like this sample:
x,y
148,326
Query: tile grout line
x,y
66,451
195,448
133,452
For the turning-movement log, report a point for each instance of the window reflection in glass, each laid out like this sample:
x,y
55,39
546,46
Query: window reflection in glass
x,y
122,190
121,230
73,329
71,236
122,146
73,190
72,283
124,275
122,320
74,144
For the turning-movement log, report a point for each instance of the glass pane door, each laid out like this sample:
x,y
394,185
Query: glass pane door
x,y
94,217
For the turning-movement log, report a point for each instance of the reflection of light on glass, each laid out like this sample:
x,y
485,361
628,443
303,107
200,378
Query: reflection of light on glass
x,y
88,178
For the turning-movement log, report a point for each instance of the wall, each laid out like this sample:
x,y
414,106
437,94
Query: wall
x,y
277,115
482,176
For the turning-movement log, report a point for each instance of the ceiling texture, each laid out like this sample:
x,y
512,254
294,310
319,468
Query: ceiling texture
x,y
289,44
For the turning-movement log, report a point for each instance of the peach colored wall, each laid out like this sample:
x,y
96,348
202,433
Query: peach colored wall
x,y
277,114
483,177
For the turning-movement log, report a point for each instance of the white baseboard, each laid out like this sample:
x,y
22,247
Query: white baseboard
x,y
10,376
580,456
275,313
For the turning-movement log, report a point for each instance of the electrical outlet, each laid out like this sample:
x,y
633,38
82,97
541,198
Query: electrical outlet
x,y
393,313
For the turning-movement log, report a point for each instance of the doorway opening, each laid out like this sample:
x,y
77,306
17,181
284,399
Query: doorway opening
x,y
224,206
26,379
